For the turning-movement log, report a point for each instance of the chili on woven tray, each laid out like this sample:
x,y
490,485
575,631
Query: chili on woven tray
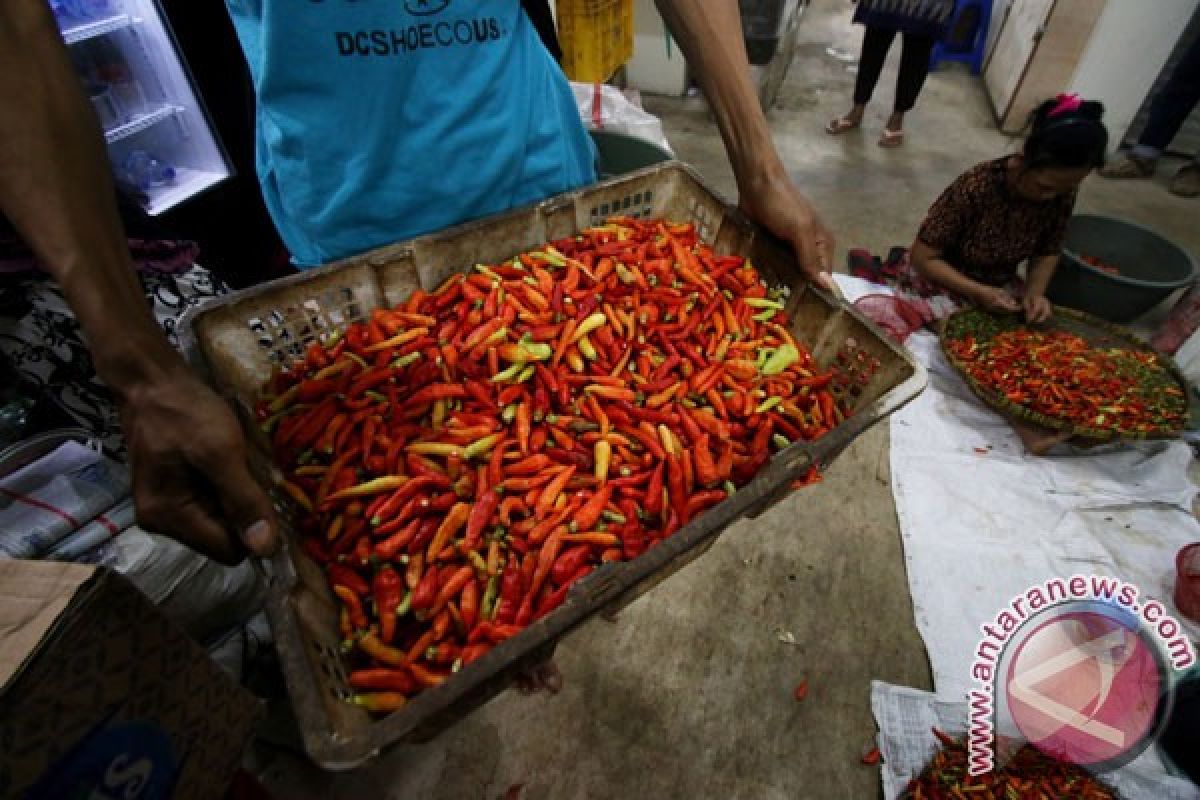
x,y
1029,775
464,458
1059,375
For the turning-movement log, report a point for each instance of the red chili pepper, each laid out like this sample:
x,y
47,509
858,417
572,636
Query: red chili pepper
x,y
469,604
524,426
704,499
706,469
481,512
353,606
653,501
390,547
587,516
569,563
340,575
510,594
550,494
452,587
426,593
388,591
380,679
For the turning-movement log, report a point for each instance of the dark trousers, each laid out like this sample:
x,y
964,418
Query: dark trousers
x,y
914,66
1175,102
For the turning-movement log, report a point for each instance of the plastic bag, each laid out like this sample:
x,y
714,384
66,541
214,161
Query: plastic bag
x,y
898,316
204,597
604,107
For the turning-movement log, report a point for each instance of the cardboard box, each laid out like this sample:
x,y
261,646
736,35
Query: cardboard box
x,y
101,696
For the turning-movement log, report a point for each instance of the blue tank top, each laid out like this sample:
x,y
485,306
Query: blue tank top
x,y
379,120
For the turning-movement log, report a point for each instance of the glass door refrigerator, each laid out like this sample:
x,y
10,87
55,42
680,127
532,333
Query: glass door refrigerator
x,y
160,139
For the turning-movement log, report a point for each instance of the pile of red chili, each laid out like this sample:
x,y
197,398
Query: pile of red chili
x,y
466,457
1058,374
1029,775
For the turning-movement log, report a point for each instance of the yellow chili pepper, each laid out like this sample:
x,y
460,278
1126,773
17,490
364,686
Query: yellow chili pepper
x,y
594,321
481,446
385,483
602,457
442,449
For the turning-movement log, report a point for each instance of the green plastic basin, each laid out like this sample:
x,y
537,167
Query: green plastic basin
x,y
1151,268
620,153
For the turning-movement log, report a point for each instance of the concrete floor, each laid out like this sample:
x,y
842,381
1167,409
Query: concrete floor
x,y
689,693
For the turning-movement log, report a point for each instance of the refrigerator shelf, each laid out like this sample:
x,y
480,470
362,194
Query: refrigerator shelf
x,y
141,123
94,28
188,183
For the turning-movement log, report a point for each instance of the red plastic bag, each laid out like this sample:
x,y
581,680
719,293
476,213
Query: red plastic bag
x,y
898,316
1187,581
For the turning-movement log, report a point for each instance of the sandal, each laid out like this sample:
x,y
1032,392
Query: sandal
x,y
890,138
840,125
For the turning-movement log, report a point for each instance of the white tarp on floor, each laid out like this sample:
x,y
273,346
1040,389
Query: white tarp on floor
x,y
982,521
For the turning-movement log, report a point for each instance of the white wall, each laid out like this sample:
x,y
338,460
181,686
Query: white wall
x,y
1128,49
999,9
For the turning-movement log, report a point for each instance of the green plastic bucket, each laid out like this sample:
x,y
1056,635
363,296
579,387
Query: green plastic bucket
x,y
1151,268
620,153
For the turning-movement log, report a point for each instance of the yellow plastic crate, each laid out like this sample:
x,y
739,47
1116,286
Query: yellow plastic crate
x,y
596,37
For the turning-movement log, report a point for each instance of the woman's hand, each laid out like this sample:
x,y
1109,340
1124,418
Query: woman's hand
x,y
1037,308
996,300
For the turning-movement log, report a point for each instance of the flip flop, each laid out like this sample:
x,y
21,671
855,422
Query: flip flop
x,y
841,125
891,138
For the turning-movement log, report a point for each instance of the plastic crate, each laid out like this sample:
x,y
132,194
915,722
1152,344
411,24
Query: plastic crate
x,y
238,339
596,37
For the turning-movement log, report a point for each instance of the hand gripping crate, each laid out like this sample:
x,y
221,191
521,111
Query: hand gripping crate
x,y
596,37
237,340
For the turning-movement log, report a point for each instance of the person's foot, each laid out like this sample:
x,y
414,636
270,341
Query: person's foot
x,y
1186,182
891,138
841,125
1130,167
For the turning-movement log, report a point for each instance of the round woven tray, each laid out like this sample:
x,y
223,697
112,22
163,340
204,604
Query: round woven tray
x,y
1095,332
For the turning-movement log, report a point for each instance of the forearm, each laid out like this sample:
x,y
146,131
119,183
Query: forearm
x,y
934,267
709,33
56,189
1040,272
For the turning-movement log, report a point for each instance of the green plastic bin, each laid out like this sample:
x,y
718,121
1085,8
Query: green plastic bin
x,y
620,153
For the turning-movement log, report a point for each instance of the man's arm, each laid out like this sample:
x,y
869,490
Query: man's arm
x,y
189,463
709,33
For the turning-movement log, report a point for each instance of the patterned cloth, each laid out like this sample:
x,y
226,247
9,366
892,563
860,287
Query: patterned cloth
x,y
41,339
149,255
985,230
920,17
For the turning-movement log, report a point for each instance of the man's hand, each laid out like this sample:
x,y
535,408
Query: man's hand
x,y
710,35
997,300
780,208
190,478
1037,308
